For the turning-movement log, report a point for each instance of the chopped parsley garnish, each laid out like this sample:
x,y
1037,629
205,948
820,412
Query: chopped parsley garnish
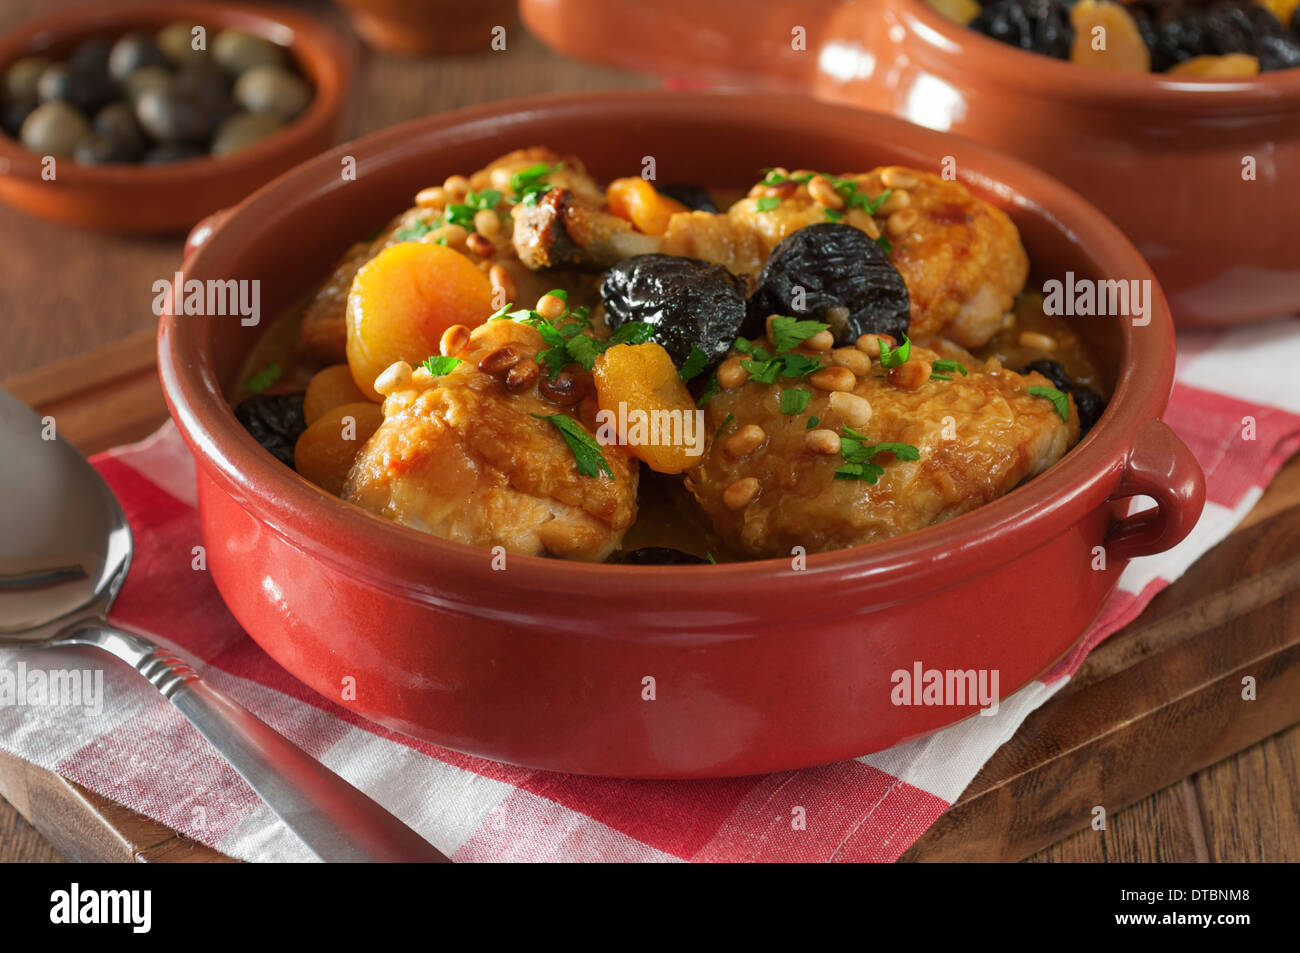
x,y
942,370
710,389
709,557
767,203
694,364
867,204
857,455
531,183
812,422
439,365
794,401
565,337
896,356
414,232
559,293
1059,400
834,216
633,332
586,451
728,419
263,379
884,242
789,333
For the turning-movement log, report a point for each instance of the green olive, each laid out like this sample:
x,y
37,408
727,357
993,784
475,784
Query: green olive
x,y
238,52
21,78
53,129
169,112
269,89
132,52
242,130
177,40
149,77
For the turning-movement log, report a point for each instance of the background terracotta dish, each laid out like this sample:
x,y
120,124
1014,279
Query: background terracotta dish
x,y
1162,157
758,667
429,26
170,198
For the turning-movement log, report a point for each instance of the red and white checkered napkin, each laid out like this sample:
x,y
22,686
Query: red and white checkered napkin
x,y
140,752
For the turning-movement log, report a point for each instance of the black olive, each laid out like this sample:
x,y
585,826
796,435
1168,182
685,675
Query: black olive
x,y
172,152
173,112
14,115
1086,401
132,52
1040,26
77,86
836,274
659,556
276,422
688,302
692,196
92,55
94,149
116,123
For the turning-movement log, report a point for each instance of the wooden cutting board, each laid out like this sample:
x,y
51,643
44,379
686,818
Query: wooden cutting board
x,y
1155,703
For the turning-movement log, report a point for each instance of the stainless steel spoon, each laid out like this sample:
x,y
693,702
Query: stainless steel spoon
x,y
64,551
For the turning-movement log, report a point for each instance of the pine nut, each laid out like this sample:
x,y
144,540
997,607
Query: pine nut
x,y
1040,342
852,409
456,187
824,194
394,378
895,177
551,306
745,441
898,199
486,223
740,494
821,341
499,361
901,222
566,389
453,236
869,344
433,197
853,359
782,190
454,340
479,245
731,374
500,278
522,374
910,375
822,441
833,378
501,180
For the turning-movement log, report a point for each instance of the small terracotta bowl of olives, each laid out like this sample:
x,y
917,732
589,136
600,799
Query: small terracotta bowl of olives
x,y
148,116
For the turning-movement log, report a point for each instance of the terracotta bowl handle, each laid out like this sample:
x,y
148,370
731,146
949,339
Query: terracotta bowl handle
x,y
1159,466
201,232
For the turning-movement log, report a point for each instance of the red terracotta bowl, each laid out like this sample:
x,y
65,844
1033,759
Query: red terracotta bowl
x,y
756,666
1161,155
138,199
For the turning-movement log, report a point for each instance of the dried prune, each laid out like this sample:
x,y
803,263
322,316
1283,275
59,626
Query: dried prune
x,y
836,274
1087,401
276,421
1177,30
1040,26
659,556
688,302
692,196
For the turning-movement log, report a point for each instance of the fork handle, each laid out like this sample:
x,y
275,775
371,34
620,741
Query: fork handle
x,y
334,819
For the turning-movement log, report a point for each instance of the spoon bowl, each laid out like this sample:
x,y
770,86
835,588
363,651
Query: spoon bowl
x,y
65,548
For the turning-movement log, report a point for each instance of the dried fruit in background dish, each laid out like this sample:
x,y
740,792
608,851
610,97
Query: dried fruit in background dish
x,y
275,421
1107,37
1040,26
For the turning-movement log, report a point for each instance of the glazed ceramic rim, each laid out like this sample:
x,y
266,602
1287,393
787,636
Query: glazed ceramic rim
x,y
397,559
1053,78
318,51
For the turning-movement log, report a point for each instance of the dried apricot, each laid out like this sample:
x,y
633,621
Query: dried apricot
x,y
958,11
642,398
325,451
637,201
1229,64
1107,37
402,301
327,389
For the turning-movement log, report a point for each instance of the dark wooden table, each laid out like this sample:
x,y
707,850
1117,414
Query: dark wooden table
x,y
65,292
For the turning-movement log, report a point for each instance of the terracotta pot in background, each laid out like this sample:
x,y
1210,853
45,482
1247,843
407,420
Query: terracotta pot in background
x,y
420,27
758,667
